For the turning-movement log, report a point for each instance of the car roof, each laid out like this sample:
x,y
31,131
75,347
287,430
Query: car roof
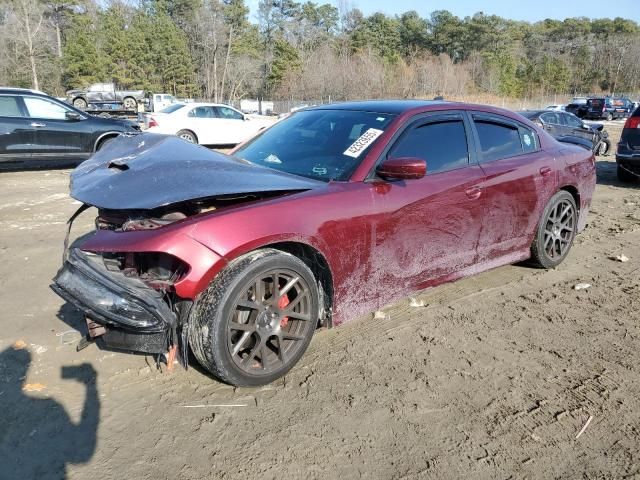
x,y
18,91
204,104
380,106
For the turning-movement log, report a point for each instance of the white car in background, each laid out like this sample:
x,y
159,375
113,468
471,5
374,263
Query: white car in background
x,y
556,108
206,123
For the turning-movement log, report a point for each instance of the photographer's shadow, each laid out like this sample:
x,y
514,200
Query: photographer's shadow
x,y
37,437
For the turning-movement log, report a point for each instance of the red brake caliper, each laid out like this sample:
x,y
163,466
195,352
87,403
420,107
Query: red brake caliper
x,y
283,301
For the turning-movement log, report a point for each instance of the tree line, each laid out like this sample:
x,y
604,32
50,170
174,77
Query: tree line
x,y
214,49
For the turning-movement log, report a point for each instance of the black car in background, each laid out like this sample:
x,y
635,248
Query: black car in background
x,y
577,107
628,154
568,128
35,127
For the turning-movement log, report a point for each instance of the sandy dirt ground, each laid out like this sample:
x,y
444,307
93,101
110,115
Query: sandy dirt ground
x,y
493,378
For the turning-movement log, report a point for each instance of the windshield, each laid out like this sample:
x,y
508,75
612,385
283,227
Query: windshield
x,y
172,108
320,144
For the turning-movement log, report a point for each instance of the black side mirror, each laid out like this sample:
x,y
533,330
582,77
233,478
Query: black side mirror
x,y
73,116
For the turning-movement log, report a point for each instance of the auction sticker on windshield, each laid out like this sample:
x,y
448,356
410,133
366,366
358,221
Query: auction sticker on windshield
x,y
360,145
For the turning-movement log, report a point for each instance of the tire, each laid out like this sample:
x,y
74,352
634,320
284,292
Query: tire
x,y
603,148
625,176
187,135
129,103
555,232
609,117
253,355
80,103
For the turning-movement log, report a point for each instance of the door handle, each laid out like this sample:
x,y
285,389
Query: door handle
x,y
474,192
38,124
545,171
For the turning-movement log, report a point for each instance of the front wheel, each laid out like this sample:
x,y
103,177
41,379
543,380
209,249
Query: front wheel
x,y
603,147
556,231
609,117
256,319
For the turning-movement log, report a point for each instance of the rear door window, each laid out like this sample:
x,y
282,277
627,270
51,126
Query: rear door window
x,y
9,107
203,112
442,143
498,139
550,118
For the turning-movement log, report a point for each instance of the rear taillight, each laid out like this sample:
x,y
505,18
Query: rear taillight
x,y
152,122
632,122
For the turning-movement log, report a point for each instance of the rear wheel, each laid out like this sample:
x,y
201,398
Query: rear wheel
x,y
625,175
609,116
556,231
256,319
130,103
187,135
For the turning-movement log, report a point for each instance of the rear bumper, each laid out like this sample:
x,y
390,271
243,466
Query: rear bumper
x,y
111,298
627,158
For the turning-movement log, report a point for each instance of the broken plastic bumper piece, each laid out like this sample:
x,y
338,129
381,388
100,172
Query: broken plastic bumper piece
x,y
111,298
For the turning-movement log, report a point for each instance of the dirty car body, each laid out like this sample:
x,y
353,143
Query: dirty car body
x,y
357,201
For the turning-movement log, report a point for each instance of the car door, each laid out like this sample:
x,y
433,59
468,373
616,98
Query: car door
x,y
520,178
233,127
428,228
576,128
201,120
551,123
16,132
57,136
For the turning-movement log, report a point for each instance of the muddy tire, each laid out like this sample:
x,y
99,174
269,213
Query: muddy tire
x,y
187,135
555,232
256,319
625,176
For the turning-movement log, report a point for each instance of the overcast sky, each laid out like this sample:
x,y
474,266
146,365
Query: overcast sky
x,y
531,11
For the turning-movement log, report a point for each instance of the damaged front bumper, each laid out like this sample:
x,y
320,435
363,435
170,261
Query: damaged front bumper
x,y
135,315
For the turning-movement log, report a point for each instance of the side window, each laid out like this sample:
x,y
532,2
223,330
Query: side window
x,y
202,112
529,140
9,107
498,140
229,113
45,109
550,118
443,144
573,121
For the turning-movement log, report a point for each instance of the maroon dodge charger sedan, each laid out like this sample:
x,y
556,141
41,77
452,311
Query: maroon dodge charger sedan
x,y
327,215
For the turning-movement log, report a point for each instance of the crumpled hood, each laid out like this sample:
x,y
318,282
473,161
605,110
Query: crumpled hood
x,y
147,171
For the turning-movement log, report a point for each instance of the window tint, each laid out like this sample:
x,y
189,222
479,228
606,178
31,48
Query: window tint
x,y
498,140
229,113
43,108
173,108
442,144
203,112
9,107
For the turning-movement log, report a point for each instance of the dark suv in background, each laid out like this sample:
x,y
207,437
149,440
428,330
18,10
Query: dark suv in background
x,y
607,108
35,127
628,154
